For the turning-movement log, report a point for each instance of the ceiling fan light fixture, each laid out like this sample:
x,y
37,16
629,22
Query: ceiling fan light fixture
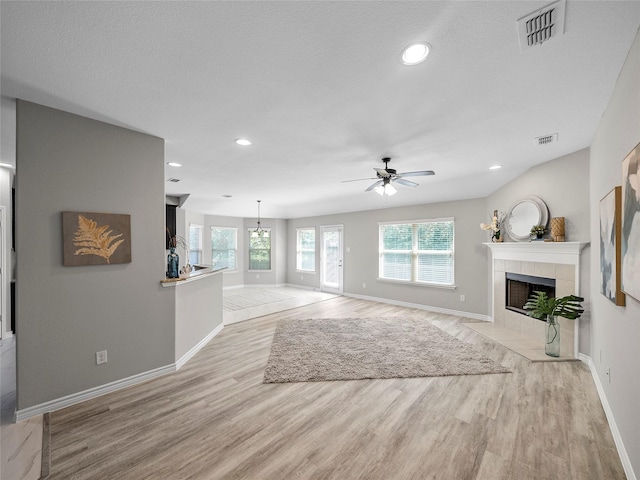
x,y
415,53
386,189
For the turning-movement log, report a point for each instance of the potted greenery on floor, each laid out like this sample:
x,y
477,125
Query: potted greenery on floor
x,y
543,307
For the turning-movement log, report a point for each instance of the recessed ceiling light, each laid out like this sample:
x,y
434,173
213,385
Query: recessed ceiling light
x,y
243,141
415,53
495,167
174,164
6,165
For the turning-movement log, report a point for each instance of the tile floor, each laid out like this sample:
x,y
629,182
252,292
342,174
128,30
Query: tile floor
x,y
516,342
21,443
299,298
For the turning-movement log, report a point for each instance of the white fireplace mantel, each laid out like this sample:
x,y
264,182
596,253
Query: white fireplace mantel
x,y
548,252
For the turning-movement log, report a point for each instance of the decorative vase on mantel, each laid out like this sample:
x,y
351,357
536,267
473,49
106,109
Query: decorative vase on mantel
x,y
552,346
499,239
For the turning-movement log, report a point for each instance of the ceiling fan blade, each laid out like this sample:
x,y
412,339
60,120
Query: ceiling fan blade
x,y
379,182
418,174
405,182
382,172
358,179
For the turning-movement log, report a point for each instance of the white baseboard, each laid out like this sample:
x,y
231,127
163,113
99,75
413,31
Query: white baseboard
x,y
256,285
617,438
187,356
301,287
69,400
475,316
94,392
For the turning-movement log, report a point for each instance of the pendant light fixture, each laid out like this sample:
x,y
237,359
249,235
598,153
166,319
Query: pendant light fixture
x,y
259,231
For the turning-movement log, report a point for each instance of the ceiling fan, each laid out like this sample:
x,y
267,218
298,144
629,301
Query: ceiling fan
x,y
385,177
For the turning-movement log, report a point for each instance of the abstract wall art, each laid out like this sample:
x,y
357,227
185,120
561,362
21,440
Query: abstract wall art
x,y
610,246
96,238
631,224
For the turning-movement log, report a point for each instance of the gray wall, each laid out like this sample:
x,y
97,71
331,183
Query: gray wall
x,y
615,331
66,314
361,261
563,184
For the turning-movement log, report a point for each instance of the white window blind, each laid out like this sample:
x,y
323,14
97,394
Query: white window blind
x,y
195,244
306,249
224,247
418,252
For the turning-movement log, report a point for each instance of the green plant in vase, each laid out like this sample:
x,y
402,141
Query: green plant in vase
x,y
538,230
495,227
543,307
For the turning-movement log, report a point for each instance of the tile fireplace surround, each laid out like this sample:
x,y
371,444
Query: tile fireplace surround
x,y
559,261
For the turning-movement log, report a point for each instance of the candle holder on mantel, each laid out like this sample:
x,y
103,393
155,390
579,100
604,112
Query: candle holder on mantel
x,y
557,229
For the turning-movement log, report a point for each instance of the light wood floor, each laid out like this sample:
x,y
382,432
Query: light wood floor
x,y
214,419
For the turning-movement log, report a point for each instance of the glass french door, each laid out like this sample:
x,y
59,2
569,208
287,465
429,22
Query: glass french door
x,y
331,259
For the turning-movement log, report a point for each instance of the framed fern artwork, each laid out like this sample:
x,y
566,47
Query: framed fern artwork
x,y
96,238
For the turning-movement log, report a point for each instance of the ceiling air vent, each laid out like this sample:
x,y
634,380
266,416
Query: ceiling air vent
x,y
174,180
546,139
541,25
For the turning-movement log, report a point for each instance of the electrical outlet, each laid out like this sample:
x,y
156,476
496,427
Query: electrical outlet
x,y
364,285
257,276
101,357
462,298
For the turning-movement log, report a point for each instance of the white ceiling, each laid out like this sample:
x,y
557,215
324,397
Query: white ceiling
x,y
320,90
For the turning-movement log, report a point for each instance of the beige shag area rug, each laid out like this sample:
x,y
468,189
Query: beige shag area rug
x,y
355,348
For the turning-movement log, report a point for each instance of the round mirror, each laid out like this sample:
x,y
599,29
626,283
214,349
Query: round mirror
x,y
525,214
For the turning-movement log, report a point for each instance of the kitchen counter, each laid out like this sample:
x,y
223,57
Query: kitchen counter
x,y
201,271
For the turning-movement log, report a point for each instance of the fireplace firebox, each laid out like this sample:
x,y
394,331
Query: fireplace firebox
x,y
520,287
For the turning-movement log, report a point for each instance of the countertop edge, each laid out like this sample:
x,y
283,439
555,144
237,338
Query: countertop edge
x,y
194,276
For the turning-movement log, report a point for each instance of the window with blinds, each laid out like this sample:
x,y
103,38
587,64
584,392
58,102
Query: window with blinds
x,y
306,249
195,244
224,247
417,252
260,250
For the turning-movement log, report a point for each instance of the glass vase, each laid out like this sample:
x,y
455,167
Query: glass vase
x,y
173,263
552,347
